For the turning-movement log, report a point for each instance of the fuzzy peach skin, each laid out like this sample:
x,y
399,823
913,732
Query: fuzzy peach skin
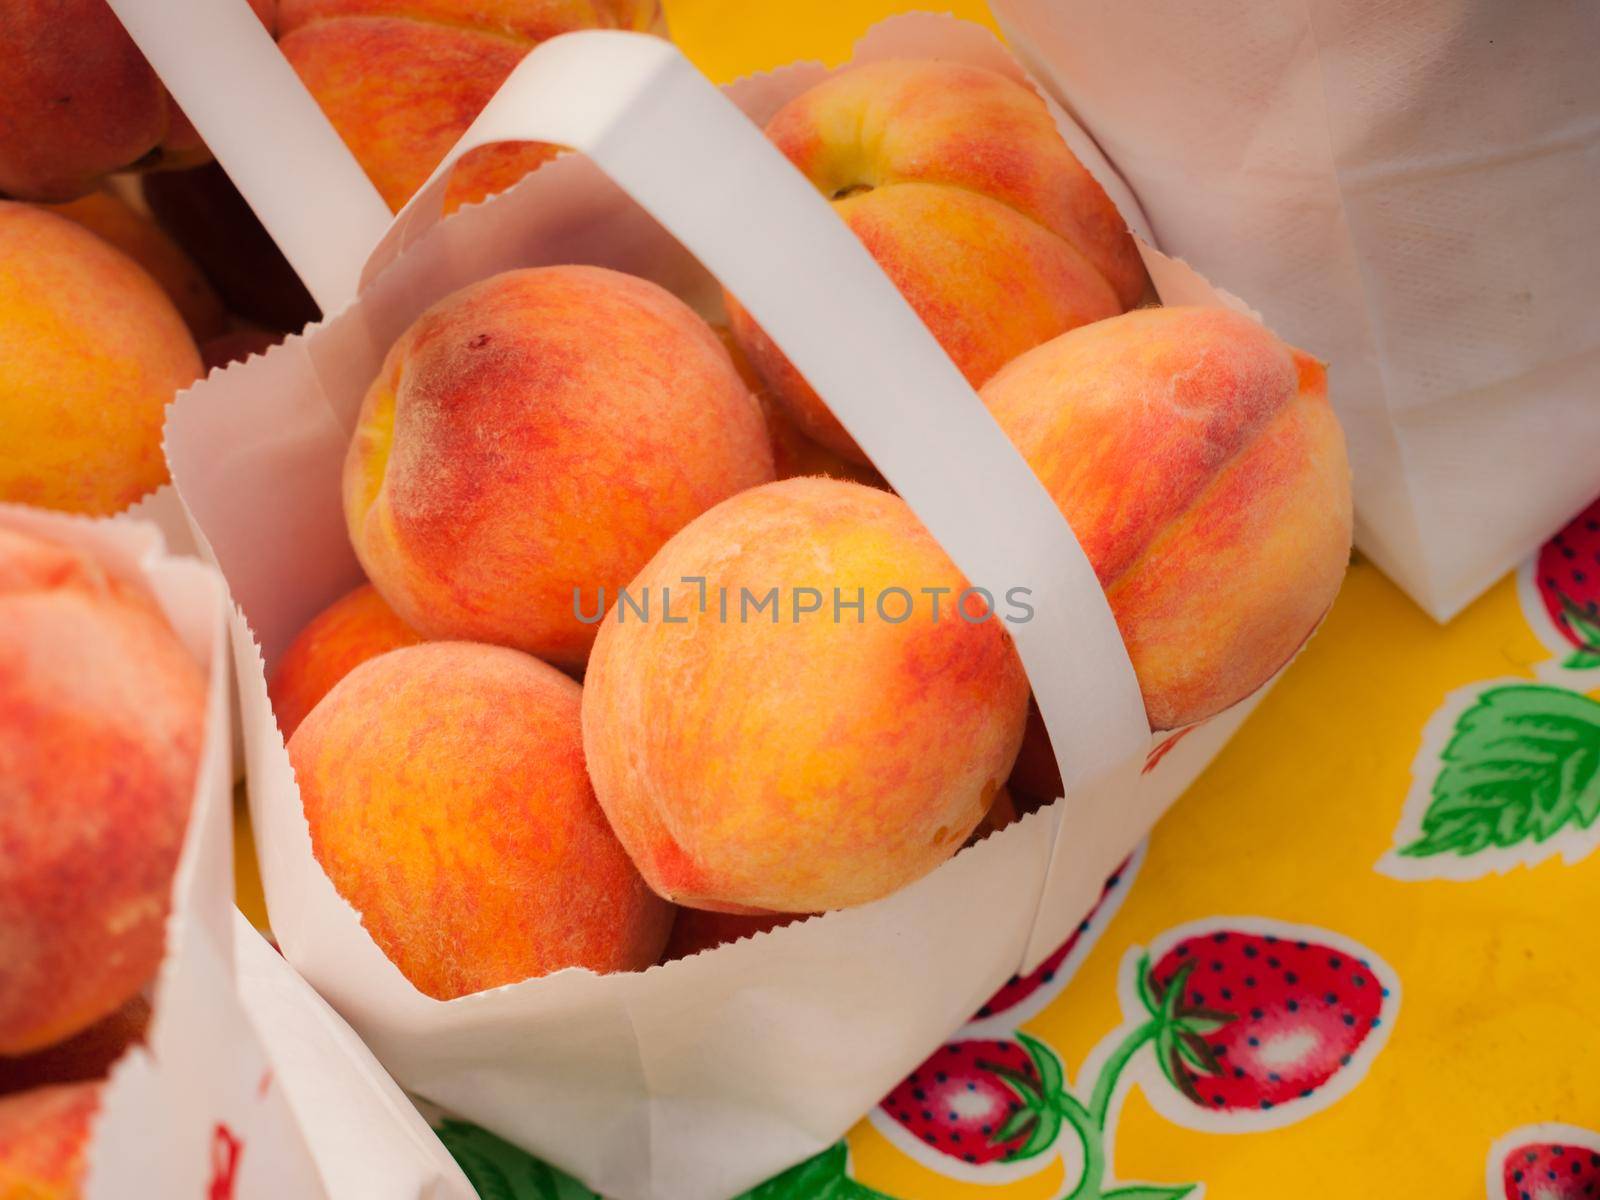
x,y
1199,463
102,714
402,79
808,764
113,220
91,350
44,1135
534,438
445,789
354,628
81,101
956,180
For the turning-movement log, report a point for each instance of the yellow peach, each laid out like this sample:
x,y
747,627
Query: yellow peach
x,y
102,714
91,351
445,789
803,756
534,439
1200,465
113,220
957,181
44,1141
402,79
354,628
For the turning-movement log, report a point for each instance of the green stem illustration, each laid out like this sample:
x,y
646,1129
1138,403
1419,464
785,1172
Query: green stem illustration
x,y
1177,1033
1090,1123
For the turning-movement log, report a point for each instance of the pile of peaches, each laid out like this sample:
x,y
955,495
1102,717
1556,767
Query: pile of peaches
x,y
647,644
649,656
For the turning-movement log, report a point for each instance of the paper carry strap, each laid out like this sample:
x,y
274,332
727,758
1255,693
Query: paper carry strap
x,y
266,130
697,164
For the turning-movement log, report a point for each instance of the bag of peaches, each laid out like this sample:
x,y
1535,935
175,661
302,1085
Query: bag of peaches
x,y
695,645
130,1062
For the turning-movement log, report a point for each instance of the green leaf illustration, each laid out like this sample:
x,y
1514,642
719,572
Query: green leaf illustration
x,y
500,1171
1522,765
1147,1191
821,1178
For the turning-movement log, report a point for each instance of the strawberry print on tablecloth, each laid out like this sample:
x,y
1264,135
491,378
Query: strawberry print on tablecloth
x,y
1548,1161
1233,1025
1560,592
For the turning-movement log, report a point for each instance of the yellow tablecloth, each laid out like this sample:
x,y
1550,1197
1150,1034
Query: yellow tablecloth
x,y
1385,887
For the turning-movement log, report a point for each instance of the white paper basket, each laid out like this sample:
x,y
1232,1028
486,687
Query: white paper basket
x,y
694,1080
196,1109
1410,191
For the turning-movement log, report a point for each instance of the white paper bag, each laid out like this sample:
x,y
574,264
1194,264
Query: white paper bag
x,y
195,1110
1410,191
697,1079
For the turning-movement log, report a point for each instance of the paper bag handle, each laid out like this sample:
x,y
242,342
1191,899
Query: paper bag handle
x,y
288,162
684,152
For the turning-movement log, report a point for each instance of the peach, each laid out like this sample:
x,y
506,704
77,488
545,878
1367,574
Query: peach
x,y
84,1056
113,220
799,757
534,439
91,350
102,714
445,789
957,181
402,79
1198,461
354,628
81,101
44,1138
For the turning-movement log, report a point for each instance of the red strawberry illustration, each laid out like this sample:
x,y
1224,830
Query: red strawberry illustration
x,y
1019,987
1552,1171
1273,1019
983,1101
1567,572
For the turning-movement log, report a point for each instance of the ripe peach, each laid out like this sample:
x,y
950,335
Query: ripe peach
x,y
1199,463
956,180
789,761
445,789
84,1056
354,628
535,438
113,220
102,715
697,929
402,79
81,101
44,1135
91,350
